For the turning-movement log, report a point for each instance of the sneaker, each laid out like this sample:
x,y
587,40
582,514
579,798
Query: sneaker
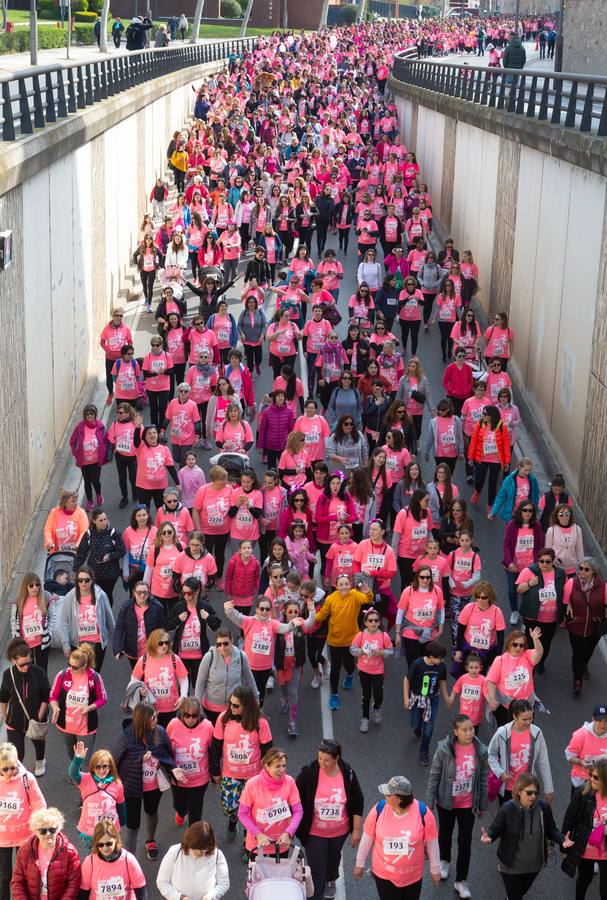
x,y
462,889
316,680
40,768
347,683
364,725
376,716
330,890
284,707
179,820
424,759
89,505
206,444
258,370
100,499
475,498
334,702
148,307
271,683
109,400
292,728
219,584
577,688
124,502
232,829
513,617
469,479
444,869
151,848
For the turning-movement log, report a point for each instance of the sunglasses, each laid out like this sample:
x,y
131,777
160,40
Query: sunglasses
x,y
349,424
33,584
235,705
142,593
191,715
584,569
163,533
118,315
24,664
482,597
425,577
222,643
84,580
518,644
103,843
565,512
188,593
102,766
531,792
528,509
8,769
372,620
545,561
267,608
163,643
47,831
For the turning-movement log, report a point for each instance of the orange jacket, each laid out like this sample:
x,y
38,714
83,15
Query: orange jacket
x,y
502,439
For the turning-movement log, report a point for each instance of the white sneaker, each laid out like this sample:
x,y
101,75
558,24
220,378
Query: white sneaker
x,y
444,869
40,768
316,680
462,889
376,716
364,725
513,617
271,683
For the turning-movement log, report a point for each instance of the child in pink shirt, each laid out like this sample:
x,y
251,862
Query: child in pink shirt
x,y
371,646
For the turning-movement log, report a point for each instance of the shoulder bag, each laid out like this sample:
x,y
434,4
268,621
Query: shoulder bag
x,y
36,731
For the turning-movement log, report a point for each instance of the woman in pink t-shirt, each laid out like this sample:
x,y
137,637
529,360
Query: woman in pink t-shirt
x,y
88,443
164,675
412,528
210,514
523,540
33,617
270,807
191,737
110,867
240,738
591,843
77,694
421,615
101,791
159,565
511,674
20,795
154,463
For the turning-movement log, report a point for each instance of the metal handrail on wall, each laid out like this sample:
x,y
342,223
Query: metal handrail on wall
x,y
35,97
575,101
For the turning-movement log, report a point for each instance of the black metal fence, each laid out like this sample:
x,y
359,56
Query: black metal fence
x,y
33,98
574,101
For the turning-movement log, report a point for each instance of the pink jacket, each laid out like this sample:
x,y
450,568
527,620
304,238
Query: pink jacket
x,y
77,440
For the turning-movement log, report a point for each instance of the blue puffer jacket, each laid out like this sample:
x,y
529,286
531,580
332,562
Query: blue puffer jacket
x,y
124,639
504,502
128,753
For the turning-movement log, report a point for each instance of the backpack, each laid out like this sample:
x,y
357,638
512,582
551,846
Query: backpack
x,y
144,659
379,806
130,33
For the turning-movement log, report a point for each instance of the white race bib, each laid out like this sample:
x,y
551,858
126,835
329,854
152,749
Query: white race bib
x,y
238,756
396,846
277,813
471,692
261,645
111,887
329,812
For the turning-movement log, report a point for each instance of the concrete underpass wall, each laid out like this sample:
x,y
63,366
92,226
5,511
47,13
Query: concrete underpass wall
x,y
533,212
77,196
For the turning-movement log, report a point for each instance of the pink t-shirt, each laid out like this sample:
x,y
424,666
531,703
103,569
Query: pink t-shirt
x,y
520,755
413,534
270,806
191,750
152,465
315,431
90,446
99,803
45,854
162,678
181,520
200,383
159,363
245,527
15,808
121,435
202,568
126,387
523,551
439,566
213,507
399,843
233,437
175,344
138,541
77,698
313,492
31,623
330,816
112,879
66,531
369,643
141,635
182,417
472,696
446,444
222,327
162,570
481,625
189,644
465,764
586,745
241,749
472,412
259,641
513,675
599,818
316,333
547,611
273,503
88,629
343,561
421,609
461,568
396,460
113,339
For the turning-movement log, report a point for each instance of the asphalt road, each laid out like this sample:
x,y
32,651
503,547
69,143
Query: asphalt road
x,y
387,749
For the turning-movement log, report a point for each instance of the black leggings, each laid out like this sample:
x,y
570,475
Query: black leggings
x,y
18,739
193,254
339,656
386,890
216,545
445,338
405,568
315,646
548,630
244,236
480,473
518,885
407,328
344,238
188,801
253,355
145,496
261,677
585,874
192,665
582,649
109,381
277,363
371,684
91,476
159,400
428,304
321,235
465,825
147,282
151,802
179,180
126,465
6,871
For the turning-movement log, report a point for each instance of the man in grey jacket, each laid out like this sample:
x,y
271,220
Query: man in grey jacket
x,y
222,668
520,747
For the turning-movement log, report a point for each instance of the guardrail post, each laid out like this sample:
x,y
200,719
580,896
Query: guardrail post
x,y
520,105
51,115
103,89
543,113
25,118
72,106
81,92
586,123
602,130
89,85
96,84
109,76
61,104
572,107
38,109
558,100
8,122
532,98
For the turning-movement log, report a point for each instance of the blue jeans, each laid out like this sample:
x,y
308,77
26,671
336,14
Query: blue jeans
x,y
426,728
512,594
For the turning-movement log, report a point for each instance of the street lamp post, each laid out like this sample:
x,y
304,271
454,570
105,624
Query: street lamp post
x,y
558,52
33,33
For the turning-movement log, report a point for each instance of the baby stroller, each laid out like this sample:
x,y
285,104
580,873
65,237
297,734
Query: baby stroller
x,y
233,463
215,272
62,559
270,877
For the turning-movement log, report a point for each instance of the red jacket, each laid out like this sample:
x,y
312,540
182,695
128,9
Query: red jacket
x,y
63,876
241,580
458,382
502,439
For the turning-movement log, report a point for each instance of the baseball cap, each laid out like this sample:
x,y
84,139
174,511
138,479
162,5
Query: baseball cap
x,y
398,785
599,711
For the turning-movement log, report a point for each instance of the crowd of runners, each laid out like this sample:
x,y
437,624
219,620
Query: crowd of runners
x,y
309,531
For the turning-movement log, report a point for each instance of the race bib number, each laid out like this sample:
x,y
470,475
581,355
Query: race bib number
x,y
261,645
237,756
547,595
10,806
462,787
32,626
419,532
191,643
312,436
166,571
345,560
471,692
189,766
124,444
489,444
517,679
223,335
284,349
111,887
448,437
479,639
396,846
329,812
277,813
524,543
375,560
216,520
86,627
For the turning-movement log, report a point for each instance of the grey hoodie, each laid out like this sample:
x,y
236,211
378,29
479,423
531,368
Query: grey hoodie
x,y
216,681
539,764
68,624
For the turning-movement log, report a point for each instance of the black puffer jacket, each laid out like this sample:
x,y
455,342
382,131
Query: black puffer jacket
x,y
176,625
578,822
307,784
128,752
94,545
124,639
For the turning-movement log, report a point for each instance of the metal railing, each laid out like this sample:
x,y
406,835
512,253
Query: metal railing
x,y
35,97
575,101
